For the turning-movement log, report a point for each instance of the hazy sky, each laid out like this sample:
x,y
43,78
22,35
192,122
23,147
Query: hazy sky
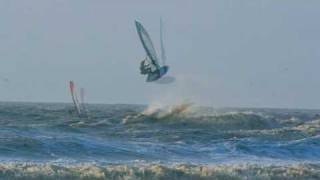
x,y
223,53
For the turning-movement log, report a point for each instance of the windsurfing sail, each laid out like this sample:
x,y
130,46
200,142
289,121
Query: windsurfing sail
x,y
150,65
74,97
147,44
82,96
163,53
82,92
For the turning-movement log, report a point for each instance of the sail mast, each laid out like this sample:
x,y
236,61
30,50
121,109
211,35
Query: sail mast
x,y
163,53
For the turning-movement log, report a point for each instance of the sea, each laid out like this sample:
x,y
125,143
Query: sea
x,y
182,141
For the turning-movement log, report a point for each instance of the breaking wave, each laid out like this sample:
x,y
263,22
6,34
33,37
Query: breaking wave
x,y
122,172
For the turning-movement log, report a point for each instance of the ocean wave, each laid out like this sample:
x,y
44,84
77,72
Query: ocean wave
x,y
94,172
182,133
184,118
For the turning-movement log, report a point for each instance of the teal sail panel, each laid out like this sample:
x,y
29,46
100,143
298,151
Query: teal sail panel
x,y
148,46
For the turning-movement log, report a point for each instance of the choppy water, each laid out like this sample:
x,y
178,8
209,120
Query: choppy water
x,y
46,141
